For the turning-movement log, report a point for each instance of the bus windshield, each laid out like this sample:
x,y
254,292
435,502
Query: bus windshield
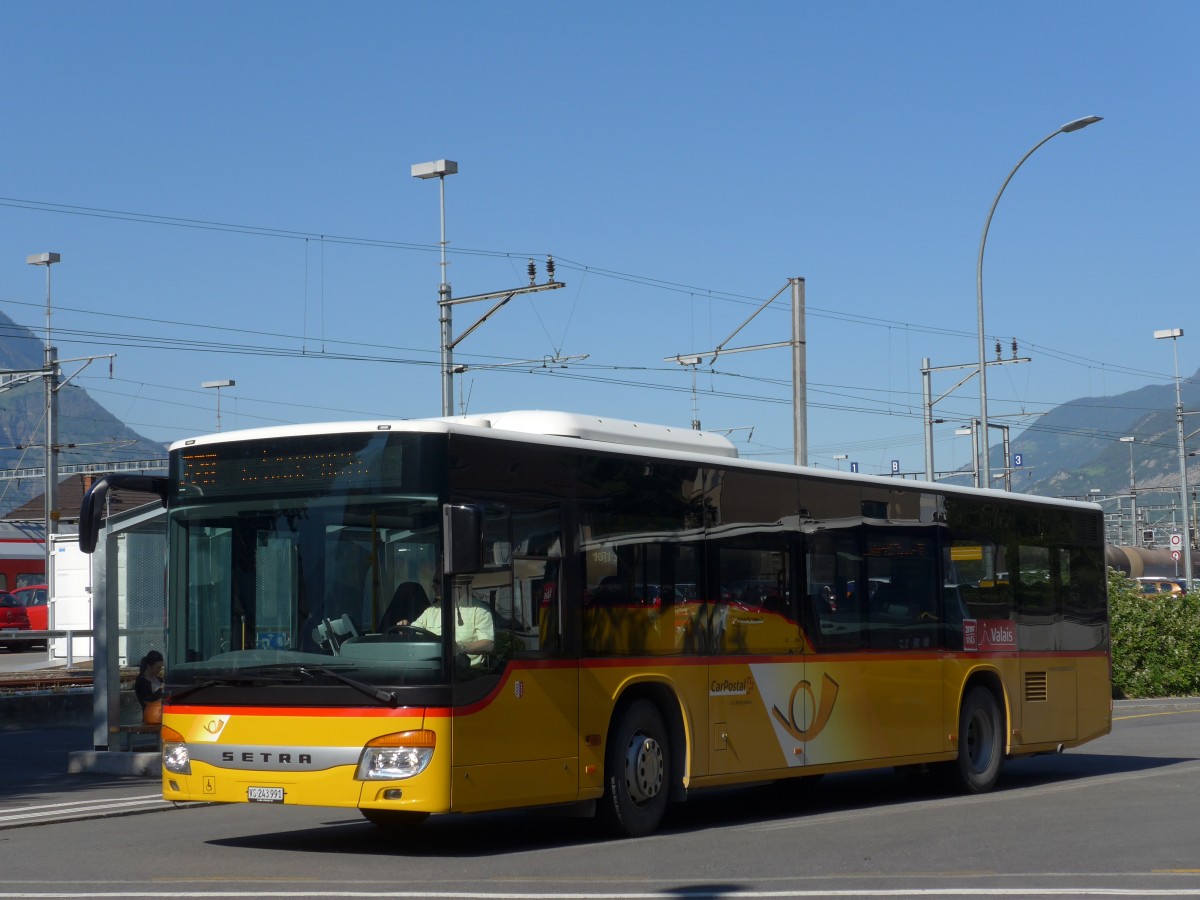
x,y
315,579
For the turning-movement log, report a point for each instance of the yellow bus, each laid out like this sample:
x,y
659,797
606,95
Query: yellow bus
x,y
631,613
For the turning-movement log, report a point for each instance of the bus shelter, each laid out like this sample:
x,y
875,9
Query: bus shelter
x,y
128,606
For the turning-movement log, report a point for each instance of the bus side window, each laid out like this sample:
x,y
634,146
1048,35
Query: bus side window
x,y
834,571
528,616
905,602
755,614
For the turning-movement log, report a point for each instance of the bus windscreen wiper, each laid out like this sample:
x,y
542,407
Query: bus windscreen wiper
x,y
388,698
258,675
241,678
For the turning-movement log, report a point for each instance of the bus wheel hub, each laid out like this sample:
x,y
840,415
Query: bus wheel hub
x,y
643,768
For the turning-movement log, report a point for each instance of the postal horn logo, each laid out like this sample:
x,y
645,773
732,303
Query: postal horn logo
x,y
824,709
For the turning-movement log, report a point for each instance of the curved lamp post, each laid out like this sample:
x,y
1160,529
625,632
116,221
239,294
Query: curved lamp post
x,y
985,467
1175,334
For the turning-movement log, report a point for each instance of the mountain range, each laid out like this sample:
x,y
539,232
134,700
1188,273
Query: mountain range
x,y
1074,450
87,432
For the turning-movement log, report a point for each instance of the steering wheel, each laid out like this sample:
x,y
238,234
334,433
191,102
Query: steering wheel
x,y
413,633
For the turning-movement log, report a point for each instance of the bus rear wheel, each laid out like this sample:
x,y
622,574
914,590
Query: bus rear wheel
x,y
394,819
637,772
980,744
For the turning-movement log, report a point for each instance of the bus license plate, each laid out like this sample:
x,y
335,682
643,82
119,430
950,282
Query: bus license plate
x,y
264,794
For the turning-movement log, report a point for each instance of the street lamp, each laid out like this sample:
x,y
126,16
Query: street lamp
x,y
838,457
50,378
1174,334
985,467
1133,541
439,169
971,430
217,385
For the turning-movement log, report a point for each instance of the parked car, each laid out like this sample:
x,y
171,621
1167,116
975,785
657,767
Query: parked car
x,y
1159,586
13,617
35,599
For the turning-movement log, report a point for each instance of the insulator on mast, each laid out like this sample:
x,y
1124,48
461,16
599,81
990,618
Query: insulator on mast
x,y
549,269
532,273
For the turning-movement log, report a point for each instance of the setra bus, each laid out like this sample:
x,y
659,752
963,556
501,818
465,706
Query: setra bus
x,y
631,613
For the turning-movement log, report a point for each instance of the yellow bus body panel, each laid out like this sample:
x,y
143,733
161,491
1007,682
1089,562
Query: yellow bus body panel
x,y
540,736
228,748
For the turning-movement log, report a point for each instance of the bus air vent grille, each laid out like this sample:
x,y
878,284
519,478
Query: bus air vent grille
x,y
1089,529
1037,687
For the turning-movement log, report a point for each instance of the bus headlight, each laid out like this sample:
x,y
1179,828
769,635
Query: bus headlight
x,y
175,756
393,756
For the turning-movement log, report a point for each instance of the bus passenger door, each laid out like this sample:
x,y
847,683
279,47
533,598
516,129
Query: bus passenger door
x,y
517,743
757,657
1048,677
874,691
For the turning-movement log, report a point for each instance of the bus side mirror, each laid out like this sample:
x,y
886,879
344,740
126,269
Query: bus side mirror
x,y
92,507
462,526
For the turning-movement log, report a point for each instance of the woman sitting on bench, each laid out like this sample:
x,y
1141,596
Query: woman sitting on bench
x,y
148,687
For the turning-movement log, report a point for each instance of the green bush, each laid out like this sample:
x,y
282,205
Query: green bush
x,y
1155,641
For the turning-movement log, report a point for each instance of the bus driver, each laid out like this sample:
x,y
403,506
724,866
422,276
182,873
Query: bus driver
x,y
474,631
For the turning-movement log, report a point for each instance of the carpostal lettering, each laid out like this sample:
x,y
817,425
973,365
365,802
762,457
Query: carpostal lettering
x,y
283,759
726,687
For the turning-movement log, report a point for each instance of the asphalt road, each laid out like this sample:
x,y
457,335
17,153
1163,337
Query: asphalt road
x,y
1115,817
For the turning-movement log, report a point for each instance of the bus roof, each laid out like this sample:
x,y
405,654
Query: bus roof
x,y
531,423
565,429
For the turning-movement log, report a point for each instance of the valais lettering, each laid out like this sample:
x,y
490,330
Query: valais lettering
x,y
989,634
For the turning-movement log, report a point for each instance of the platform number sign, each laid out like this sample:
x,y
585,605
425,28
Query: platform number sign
x,y
895,467
854,467
1018,460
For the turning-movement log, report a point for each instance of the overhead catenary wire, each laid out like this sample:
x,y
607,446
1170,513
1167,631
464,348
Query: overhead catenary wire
x,y
357,351
226,347
563,262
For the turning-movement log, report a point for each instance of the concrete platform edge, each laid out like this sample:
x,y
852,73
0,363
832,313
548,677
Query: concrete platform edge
x,y
114,762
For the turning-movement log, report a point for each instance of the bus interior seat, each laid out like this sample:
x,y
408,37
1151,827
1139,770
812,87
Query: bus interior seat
x,y
408,601
332,633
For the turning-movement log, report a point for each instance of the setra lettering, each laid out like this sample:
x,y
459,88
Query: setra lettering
x,y
267,758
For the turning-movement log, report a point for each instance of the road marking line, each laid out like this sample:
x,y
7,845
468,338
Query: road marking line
x,y
1151,715
82,810
79,802
679,894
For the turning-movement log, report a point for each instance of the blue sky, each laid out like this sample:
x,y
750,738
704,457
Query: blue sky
x,y
229,187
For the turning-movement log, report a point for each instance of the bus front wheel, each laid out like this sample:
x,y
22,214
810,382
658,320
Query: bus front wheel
x,y
980,743
637,772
